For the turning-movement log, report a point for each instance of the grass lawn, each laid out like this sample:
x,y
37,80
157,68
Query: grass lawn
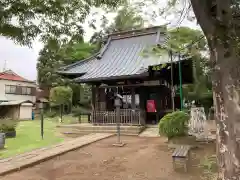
x,y
29,138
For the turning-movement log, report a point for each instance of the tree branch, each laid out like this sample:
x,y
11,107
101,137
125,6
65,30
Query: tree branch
x,y
202,10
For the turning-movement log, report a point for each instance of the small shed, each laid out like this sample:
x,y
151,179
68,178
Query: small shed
x,y
20,109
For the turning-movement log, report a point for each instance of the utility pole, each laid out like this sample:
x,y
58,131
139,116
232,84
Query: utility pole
x,y
172,90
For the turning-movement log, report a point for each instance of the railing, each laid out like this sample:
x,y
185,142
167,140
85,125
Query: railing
x,y
127,117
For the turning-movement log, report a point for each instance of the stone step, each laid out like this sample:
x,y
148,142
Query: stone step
x,y
71,130
74,131
150,132
102,127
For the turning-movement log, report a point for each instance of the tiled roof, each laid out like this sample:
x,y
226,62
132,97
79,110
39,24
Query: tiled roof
x,y
16,102
11,76
121,57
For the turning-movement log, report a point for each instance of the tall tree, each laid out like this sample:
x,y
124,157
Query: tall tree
x,y
54,55
76,51
180,38
24,20
219,21
49,61
127,18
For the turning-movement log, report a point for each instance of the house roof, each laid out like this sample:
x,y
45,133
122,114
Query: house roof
x,y
121,57
12,76
12,103
3,97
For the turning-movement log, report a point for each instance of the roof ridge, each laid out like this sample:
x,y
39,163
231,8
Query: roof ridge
x,y
105,47
110,37
135,30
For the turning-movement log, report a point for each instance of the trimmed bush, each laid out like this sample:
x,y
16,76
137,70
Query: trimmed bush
x,y
7,125
174,124
77,111
51,114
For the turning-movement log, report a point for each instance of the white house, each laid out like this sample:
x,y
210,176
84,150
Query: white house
x,y
15,89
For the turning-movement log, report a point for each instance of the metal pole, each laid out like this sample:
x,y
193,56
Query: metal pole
x,y
42,122
180,81
172,91
118,123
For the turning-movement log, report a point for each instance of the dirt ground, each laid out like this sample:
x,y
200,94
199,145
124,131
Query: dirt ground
x,y
140,159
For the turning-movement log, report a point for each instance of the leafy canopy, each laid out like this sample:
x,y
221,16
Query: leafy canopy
x,y
127,18
24,20
54,55
179,40
61,95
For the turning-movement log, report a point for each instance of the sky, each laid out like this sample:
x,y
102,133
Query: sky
x,y
22,60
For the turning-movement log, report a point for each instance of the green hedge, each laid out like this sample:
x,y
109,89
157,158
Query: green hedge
x,y
77,111
174,124
8,125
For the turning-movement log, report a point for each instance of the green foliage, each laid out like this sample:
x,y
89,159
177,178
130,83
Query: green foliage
x,y
48,62
51,114
75,51
55,55
84,106
61,95
178,42
174,124
127,18
23,21
183,36
179,39
7,125
201,90
80,110
209,163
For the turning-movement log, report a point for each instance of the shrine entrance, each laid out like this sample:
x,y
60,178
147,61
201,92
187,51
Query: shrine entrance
x,y
157,102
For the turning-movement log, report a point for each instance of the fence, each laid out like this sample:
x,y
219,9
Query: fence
x,y
127,117
197,121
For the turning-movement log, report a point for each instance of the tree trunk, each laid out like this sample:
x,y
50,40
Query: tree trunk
x,y
226,76
214,18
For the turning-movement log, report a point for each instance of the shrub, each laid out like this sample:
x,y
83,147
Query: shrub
x,y
7,125
174,124
209,163
61,95
77,111
51,114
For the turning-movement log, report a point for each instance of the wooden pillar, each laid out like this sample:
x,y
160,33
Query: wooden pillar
x,y
135,118
93,114
93,97
102,99
142,104
97,98
133,100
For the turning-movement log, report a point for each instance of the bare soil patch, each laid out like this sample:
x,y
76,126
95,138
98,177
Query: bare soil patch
x,y
140,159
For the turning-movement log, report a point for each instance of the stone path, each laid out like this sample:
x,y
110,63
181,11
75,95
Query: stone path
x,y
150,132
28,159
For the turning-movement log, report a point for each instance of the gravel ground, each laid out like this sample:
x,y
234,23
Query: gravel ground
x,y
140,159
